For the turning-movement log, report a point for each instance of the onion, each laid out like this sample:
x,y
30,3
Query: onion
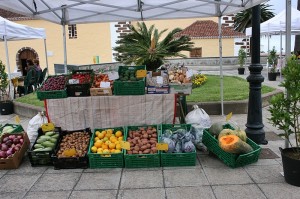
x,y
19,137
2,154
4,147
16,141
5,139
9,152
8,143
16,148
21,141
12,137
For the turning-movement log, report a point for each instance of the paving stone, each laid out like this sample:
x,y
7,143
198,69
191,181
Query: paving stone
x,y
280,190
246,191
12,195
47,194
17,183
211,161
105,180
101,194
265,173
56,182
190,192
102,170
219,176
2,173
26,168
52,170
184,177
265,162
157,193
142,179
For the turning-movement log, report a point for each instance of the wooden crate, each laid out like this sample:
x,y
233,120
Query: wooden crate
x,y
100,91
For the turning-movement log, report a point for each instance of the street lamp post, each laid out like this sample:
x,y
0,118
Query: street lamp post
x,y
254,124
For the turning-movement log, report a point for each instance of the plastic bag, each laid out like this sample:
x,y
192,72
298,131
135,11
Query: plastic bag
x,y
189,147
198,116
197,132
34,124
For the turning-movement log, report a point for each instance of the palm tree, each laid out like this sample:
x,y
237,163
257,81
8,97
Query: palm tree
x,y
143,46
243,19
297,37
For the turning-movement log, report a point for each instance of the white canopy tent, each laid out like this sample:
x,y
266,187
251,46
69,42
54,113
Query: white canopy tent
x,y
66,12
10,31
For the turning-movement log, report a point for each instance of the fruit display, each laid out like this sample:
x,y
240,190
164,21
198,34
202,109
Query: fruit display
x,y
179,140
54,83
74,144
178,76
10,145
101,78
84,78
143,140
129,75
107,141
46,142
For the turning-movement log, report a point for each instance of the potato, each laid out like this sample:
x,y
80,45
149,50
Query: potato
x,y
148,146
145,135
129,152
146,151
136,148
143,147
135,152
154,149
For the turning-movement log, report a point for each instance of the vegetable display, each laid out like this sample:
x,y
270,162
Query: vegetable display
x,y
179,141
74,144
7,129
46,142
128,75
101,78
54,83
233,144
142,140
178,76
84,78
10,145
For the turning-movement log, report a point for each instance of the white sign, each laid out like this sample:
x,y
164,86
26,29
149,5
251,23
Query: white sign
x,y
159,79
104,84
73,81
189,73
113,75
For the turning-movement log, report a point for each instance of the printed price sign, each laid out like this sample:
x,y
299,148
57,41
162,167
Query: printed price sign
x,y
113,75
48,127
159,79
162,146
73,81
104,84
125,145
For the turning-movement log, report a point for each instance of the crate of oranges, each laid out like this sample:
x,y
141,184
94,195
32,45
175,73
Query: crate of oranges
x,y
105,148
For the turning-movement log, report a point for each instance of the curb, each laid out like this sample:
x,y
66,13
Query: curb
x,y
26,110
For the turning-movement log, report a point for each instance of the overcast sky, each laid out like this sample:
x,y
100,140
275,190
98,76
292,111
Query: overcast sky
x,y
279,5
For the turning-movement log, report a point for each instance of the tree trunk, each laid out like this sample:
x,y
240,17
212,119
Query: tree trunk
x,y
297,37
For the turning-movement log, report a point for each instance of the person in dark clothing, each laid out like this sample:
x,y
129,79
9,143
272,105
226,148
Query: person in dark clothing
x,y
30,79
38,70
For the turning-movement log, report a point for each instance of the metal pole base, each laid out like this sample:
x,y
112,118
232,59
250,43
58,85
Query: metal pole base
x,y
257,135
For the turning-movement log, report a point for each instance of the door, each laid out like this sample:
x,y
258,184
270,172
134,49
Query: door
x,y
24,55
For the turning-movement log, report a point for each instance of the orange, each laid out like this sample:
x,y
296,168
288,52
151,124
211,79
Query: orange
x,y
113,139
100,150
117,151
100,135
108,135
120,138
112,145
97,133
118,134
112,150
96,138
110,131
106,151
98,144
104,146
105,139
103,132
107,142
94,149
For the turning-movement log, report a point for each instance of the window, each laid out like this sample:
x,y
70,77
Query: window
x,y
196,52
72,31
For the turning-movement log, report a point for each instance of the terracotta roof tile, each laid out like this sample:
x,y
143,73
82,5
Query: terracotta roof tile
x,y
209,29
13,16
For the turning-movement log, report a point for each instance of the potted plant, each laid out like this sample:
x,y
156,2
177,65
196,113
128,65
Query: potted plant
x,y
242,56
285,115
272,60
6,105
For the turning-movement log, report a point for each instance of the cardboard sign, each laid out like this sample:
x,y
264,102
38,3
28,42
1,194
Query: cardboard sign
x,y
162,146
228,117
189,73
141,73
104,84
48,127
125,145
73,81
69,152
17,119
159,79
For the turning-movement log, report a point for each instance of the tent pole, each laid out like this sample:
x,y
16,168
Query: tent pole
x,y
221,65
280,54
46,56
8,65
65,48
268,52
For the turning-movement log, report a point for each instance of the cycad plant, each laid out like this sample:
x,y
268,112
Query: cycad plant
x,y
3,82
144,46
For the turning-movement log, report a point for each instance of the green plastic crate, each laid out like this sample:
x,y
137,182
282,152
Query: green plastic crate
x,y
112,160
130,87
177,159
55,94
80,90
141,160
230,159
17,128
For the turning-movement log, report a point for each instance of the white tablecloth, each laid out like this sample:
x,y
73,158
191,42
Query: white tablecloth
x,y
75,113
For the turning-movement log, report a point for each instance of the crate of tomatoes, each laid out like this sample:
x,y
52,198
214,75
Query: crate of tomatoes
x,y
79,83
101,86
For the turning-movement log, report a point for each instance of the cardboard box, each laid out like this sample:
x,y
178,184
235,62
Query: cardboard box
x,y
151,79
158,90
15,161
184,88
101,91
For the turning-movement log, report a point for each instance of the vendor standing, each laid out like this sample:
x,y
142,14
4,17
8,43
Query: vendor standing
x,y
38,69
30,79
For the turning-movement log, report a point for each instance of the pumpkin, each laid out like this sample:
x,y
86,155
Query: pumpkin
x,y
241,134
216,128
233,144
226,132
